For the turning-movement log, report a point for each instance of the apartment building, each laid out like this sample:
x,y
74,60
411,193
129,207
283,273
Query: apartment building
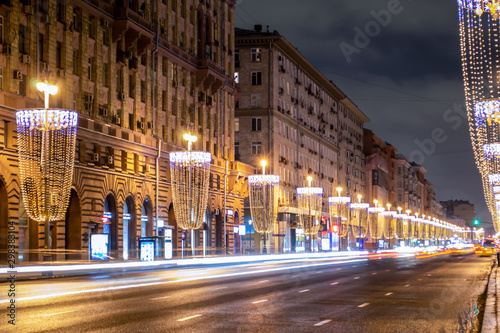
x,y
140,74
300,122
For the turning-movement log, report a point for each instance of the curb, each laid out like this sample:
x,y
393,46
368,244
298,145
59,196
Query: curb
x,y
491,316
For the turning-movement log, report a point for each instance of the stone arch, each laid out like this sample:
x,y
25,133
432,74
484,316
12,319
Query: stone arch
x,y
175,230
147,211
73,222
110,206
129,228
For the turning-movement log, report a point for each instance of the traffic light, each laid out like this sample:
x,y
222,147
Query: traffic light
x,y
476,222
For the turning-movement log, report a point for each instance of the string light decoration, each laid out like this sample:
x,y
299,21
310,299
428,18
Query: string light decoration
x,y
46,143
310,200
190,173
339,208
46,140
389,224
376,222
264,195
480,51
359,218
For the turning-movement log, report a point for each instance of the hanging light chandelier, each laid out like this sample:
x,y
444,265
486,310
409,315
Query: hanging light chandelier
x,y
310,201
340,211
480,51
190,174
264,195
46,142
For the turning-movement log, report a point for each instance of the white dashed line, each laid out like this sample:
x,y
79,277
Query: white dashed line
x,y
388,294
357,277
321,323
333,284
339,269
295,276
374,273
58,313
261,301
429,274
387,270
407,285
363,305
190,317
304,291
163,297
263,281
220,288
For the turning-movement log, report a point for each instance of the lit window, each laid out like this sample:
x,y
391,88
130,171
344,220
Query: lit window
x,y
237,124
257,55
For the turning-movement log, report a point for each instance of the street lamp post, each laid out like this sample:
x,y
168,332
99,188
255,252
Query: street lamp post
x,y
338,207
46,140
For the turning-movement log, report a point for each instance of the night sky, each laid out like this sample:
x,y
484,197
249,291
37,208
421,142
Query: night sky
x,y
406,76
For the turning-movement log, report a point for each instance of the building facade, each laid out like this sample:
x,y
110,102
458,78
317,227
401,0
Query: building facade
x,y
462,209
292,116
140,74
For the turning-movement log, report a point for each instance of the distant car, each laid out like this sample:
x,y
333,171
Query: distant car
x,y
486,251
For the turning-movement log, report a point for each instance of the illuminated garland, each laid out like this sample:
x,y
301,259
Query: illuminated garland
x,y
479,43
340,211
310,199
264,195
190,174
46,140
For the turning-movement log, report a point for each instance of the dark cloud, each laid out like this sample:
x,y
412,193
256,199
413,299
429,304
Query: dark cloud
x,y
407,80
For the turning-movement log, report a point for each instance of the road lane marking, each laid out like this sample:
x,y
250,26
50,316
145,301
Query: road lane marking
x,y
304,291
220,288
295,275
387,270
339,269
363,305
321,323
388,294
319,272
189,279
190,317
374,273
58,313
335,283
261,301
419,279
407,285
429,274
263,281
163,297
357,277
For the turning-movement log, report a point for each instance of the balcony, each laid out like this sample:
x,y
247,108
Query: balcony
x,y
132,26
210,75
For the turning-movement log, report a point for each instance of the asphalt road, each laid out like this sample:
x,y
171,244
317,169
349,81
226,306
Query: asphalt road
x,y
379,295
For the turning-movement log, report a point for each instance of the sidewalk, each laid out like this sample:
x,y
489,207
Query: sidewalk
x,y
491,319
63,269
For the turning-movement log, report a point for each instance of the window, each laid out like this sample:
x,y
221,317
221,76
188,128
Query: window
x,y
131,86
75,62
236,77
59,55
91,27
89,68
1,78
255,101
237,151
236,58
40,42
256,124
23,48
236,124
256,78
1,29
256,148
256,55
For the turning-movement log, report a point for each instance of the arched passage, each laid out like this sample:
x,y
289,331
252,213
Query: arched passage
x,y
147,219
110,207
219,233
73,221
4,217
129,229
173,223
